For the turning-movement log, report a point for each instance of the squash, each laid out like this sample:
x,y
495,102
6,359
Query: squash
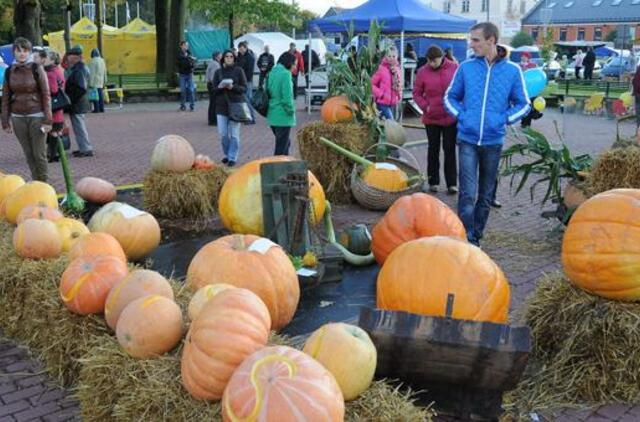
x,y
96,190
204,295
240,200
419,275
348,353
39,212
412,217
37,239
394,132
601,245
9,184
96,244
231,326
32,193
385,176
138,232
298,388
86,283
356,239
252,263
139,283
172,153
149,327
336,110
70,231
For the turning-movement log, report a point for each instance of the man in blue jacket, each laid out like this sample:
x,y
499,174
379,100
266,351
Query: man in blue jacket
x,y
486,94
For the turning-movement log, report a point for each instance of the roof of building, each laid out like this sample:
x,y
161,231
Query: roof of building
x,y
583,11
332,11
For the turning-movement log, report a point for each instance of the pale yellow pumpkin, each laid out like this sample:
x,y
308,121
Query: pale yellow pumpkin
x,y
70,231
9,184
37,239
385,176
172,153
32,193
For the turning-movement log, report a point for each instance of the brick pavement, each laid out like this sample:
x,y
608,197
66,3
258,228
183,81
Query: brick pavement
x,y
123,141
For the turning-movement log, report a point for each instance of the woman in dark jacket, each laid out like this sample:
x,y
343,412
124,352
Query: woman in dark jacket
x,y
229,84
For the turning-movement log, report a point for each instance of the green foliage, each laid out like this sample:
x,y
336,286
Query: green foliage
x,y
547,45
549,163
520,39
611,36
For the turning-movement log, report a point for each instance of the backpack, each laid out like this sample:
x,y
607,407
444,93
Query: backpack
x,y
260,100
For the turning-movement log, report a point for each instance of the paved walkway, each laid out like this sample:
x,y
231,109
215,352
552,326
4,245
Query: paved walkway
x,y
517,237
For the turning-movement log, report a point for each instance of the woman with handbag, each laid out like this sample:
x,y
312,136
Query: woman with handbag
x,y
55,76
282,111
230,85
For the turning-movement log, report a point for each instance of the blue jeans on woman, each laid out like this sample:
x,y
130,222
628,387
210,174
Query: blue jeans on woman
x,y
385,111
229,132
478,171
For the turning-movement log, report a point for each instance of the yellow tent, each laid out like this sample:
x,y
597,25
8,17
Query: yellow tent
x,y
128,50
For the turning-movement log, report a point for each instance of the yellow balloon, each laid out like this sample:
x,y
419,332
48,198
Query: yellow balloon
x,y
539,104
626,98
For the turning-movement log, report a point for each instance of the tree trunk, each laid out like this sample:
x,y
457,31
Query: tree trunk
x,y
67,26
26,20
162,39
231,29
98,22
176,34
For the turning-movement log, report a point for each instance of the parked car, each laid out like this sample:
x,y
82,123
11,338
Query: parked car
x,y
618,66
571,71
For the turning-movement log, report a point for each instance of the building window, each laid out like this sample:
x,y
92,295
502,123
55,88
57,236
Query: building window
x,y
580,34
597,34
534,34
465,6
484,5
563,34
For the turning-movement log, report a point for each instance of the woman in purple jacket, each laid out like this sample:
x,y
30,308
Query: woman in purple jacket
x,y
428,92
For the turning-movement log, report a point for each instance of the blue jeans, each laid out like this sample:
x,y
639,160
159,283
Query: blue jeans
x,y
478,172
385,111
229,132
187,91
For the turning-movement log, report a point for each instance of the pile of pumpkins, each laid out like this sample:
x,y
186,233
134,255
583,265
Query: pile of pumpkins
x,y
173,153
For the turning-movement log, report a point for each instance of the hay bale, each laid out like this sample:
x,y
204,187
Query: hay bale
x,y
586,351
332,169
190,195
614,169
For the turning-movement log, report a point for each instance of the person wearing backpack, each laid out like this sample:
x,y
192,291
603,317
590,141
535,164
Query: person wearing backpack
x,y
26,107
282,111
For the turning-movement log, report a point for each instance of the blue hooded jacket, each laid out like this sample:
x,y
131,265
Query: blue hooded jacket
x,y
485,98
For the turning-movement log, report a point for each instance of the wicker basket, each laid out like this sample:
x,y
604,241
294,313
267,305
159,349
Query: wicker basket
x,y
379,200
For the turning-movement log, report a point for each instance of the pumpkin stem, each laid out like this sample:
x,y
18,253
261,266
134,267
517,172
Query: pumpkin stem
x,y
238,242
350,155
351,258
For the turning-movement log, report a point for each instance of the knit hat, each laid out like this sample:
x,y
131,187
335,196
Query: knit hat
x,y
75,51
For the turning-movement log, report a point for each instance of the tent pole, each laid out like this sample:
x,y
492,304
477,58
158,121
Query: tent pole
x,y
401,60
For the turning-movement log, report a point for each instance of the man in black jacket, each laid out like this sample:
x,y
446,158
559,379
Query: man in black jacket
x,y
266,61
589,62
77,88
186,63
247,62
315,62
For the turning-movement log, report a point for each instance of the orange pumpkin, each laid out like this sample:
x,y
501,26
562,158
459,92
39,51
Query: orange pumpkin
x,y
204,295
601,245
39,212
240,200
139,283
37,239
336,109
149,327
280,383
231,326
411,217
70,231
172,153
96,244
86,283
253,263
9,184
203,162
32,193
96,190
419,275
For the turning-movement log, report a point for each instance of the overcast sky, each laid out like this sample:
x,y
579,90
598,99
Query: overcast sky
x,y
321,6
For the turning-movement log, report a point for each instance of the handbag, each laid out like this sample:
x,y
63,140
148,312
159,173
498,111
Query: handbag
x,y
260,101
60,100
239,111
93,94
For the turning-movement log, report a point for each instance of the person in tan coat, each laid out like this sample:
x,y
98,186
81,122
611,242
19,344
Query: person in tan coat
x,y
26,107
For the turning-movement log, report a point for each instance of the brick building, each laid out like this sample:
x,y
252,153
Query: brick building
x,y
584,20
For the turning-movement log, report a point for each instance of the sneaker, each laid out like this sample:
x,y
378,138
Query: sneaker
x,y
86,154
183,108
496,204
225,160
452,190
76,153
433,188
231,163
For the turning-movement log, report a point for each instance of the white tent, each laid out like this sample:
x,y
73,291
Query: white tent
x,y
317,45
277,41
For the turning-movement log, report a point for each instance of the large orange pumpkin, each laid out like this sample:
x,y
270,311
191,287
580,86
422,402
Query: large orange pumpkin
x,y
253,263
32,193
282,384
139,283
411,217
70,231
86,283
601,245
172,153
137,231
419,275
240,201
9,184
39,212
336,109
96,190
96,244
37,239
204,295
149,327
231,326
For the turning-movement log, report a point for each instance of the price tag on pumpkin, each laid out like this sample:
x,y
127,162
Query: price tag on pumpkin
x,y
261,245
130,212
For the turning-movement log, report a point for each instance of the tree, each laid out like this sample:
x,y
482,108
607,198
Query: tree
x,y
26,20
547,45
520,39
176,34
611,36
162,8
